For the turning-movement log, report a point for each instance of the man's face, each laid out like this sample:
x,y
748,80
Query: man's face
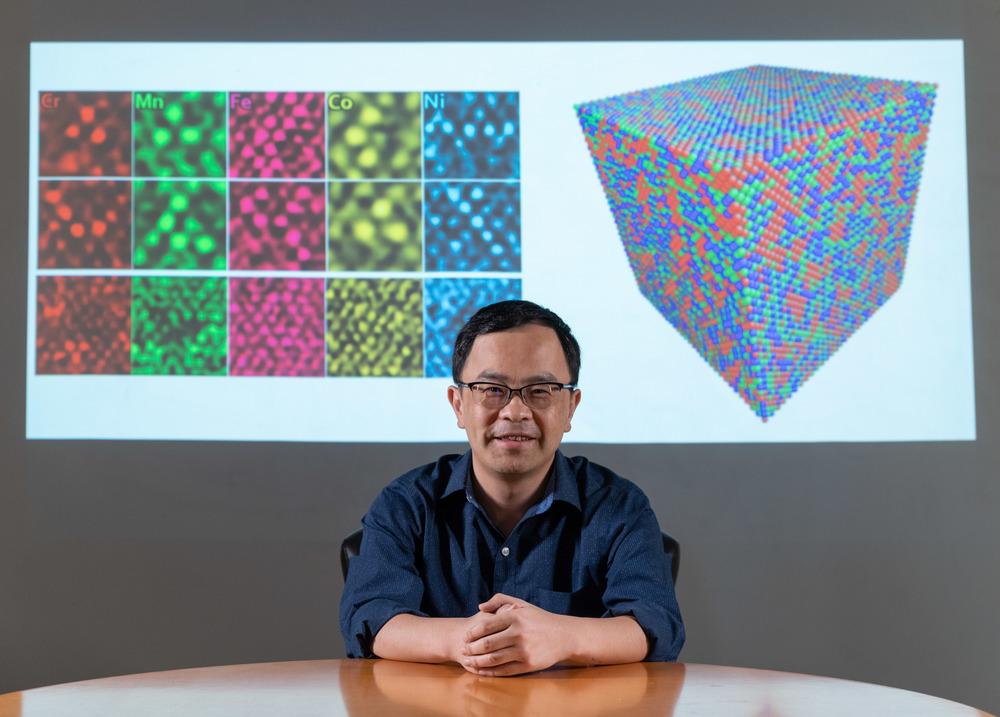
x,y
514,441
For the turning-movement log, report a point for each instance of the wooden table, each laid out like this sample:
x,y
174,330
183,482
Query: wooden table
x,y
382,687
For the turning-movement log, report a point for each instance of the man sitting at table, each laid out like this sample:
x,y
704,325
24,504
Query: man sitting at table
x,y
512,557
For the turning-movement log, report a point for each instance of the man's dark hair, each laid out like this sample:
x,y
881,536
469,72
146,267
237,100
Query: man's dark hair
x,y
505,315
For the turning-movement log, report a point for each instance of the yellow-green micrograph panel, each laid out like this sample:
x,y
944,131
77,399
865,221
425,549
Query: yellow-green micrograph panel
x,y
374,327
373,135
375,226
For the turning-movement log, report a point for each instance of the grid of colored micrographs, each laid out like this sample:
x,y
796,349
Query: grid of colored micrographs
x,y
271,233
765,211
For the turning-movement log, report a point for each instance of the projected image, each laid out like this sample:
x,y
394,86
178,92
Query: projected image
x,y
178,326
84,325
376,226
472,135
277,226
325,184
276,134
765,211
84,224
473,226
179,225
276,327
281,241
375,327
89,134
178,134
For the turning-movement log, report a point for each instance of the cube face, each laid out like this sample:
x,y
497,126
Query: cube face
x,y
765,212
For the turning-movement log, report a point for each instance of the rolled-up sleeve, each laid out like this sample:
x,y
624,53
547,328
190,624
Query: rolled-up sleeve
x,y
383,580
639,584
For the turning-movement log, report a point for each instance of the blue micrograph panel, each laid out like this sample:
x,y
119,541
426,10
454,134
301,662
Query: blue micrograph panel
x,y
471,135
472,226
448,304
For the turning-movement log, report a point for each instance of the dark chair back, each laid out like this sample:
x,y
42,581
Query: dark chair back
x,y
349,549
673,550
352,546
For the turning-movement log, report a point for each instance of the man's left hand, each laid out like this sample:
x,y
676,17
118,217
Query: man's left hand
x,y
517,637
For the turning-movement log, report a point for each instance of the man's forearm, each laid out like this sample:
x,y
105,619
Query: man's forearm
x,y
420,639
606,641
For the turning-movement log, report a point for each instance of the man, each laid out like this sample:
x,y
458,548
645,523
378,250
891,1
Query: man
x,y
512,558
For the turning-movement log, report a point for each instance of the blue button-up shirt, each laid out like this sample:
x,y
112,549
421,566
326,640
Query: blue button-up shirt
x,y
591,547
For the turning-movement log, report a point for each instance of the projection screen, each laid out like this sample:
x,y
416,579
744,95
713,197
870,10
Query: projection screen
x,y
753,241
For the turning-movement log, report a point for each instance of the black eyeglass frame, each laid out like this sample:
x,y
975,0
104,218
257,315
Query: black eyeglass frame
x,y
519,391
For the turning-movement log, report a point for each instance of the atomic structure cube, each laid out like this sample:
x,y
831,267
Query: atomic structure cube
x,y
765,211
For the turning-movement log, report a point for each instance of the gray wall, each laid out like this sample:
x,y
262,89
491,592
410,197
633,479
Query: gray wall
x,y
871,562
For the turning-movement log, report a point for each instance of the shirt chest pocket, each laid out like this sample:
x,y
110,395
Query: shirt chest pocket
x,y
579,603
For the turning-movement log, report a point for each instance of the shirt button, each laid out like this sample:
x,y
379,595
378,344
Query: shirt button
x,y
505,551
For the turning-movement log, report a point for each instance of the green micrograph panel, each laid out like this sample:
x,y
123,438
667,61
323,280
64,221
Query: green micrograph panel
x,y
375,226
374,327
180,225
373,135
179,326
180,134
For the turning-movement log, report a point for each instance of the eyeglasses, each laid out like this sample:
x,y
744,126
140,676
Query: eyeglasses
x,y
495,396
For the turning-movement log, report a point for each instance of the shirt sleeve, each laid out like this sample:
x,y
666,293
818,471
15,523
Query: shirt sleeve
x,y
383,580
639,584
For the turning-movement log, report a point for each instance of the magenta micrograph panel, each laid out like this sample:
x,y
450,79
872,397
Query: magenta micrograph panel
x,y
276,134
276,327
277,225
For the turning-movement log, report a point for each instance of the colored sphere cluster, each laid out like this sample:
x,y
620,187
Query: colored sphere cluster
x,y
765,211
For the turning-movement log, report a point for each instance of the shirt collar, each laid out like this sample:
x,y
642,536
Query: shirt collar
x,y
562,482
459,470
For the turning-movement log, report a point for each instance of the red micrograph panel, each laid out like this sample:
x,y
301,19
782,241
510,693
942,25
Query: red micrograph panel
x,y
276,134
83,325
84,224
277,225
276,327
86,134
